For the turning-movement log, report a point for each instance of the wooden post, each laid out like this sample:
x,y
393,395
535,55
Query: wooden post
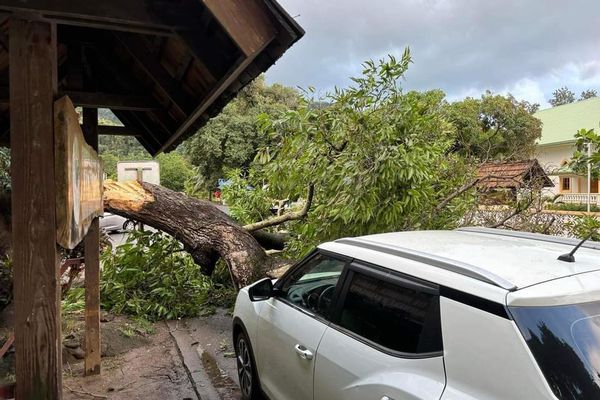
x,y
36,268
92,265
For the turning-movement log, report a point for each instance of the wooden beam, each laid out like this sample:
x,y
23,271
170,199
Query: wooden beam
x,y
143,57
109,130
236,70
35,259
92,265
112,100
152,17
246,21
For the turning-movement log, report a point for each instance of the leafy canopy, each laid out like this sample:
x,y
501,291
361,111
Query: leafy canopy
x,y
231,139
562,96
380,159
495,127
580,159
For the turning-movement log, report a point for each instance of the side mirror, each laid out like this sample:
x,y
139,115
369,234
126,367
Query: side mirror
x,y
261,290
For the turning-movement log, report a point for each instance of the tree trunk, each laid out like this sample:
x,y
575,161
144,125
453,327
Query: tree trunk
x,y
206,232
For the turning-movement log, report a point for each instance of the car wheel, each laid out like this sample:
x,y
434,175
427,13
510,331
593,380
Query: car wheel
x,y
249,385
128,225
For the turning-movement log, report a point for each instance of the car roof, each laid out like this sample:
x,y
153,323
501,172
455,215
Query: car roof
x,y
497,258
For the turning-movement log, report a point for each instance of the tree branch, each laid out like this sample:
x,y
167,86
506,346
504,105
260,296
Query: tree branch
x,y
285,217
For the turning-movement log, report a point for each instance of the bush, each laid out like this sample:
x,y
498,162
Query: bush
x,y
571,207
151,277
6,282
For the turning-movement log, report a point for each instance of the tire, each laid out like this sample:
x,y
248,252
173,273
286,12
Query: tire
x,y
249,383
128,225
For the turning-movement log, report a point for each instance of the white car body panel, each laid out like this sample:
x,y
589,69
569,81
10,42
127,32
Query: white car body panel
x,y
284,374
528,262
347,369
580,288
111,222
486,357
420,270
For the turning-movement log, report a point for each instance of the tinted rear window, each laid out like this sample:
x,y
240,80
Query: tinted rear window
x,y
565,341
398,318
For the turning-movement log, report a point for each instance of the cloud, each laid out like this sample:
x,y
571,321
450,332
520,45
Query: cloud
x,y
461,46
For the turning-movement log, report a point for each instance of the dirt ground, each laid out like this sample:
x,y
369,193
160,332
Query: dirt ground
x,y
143,361
149,366
150,369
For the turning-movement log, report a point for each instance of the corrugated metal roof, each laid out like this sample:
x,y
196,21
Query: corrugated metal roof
x,y
561,123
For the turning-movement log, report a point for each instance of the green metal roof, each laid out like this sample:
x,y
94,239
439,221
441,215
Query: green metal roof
x,y
561,123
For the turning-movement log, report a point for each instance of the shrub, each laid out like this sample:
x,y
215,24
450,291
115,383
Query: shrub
x,y
571,207
6,280
150,276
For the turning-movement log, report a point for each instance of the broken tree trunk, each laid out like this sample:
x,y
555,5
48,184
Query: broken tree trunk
x,y
205,232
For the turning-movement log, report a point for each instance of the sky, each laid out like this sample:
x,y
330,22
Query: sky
x,y
524,47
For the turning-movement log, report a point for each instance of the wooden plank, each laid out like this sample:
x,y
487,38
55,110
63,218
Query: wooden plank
x,y
35,259
214,94
246,21
9,342
149,64
155,17
78,177
112,100
108,130
92,266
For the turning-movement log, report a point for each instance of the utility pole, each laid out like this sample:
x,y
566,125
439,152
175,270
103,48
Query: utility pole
x,y
589,171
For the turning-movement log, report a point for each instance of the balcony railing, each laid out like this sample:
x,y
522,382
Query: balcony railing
x,y
578,198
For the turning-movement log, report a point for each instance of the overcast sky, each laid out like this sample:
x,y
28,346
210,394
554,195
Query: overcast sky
x,y
525,47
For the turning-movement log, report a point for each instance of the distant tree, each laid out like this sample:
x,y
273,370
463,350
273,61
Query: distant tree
x,y
562,96
231,139
494,127
175,170
588,94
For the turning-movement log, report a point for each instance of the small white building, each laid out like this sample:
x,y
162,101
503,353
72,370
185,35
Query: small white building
x,y
143,171
557,145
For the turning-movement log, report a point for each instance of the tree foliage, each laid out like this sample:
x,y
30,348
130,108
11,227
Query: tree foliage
x,y
380,159
175,170
495,127
231,139
562,96
150,277
580,159
588,94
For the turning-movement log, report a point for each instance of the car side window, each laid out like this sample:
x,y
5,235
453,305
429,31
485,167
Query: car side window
x,y
397,317
312,286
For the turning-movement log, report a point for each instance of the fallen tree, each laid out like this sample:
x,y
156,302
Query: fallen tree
x,y
205,232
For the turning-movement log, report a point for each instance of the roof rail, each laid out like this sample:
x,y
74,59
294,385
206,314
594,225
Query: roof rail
x,y
435,261
532,236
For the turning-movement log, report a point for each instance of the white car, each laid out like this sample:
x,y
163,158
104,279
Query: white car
x,y
467,314
113,223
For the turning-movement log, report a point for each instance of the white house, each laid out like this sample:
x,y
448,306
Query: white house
x,y
557,144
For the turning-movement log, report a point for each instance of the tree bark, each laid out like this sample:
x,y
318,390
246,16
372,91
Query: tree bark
x,y
205,232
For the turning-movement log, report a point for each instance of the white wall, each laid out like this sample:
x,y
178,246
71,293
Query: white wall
x,y
130,170
551,158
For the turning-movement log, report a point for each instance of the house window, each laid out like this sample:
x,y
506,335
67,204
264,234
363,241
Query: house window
x,y
566,184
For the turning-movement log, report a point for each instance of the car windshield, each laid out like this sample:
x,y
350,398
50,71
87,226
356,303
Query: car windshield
x,y
565,341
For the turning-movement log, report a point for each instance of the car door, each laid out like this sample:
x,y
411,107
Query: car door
x,y
292,324
384,341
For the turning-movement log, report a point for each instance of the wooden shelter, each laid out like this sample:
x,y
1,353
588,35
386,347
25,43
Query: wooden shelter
x,y
164,67
512,175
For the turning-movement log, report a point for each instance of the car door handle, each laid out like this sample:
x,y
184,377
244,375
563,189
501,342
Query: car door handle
x,y
303,352
386,398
